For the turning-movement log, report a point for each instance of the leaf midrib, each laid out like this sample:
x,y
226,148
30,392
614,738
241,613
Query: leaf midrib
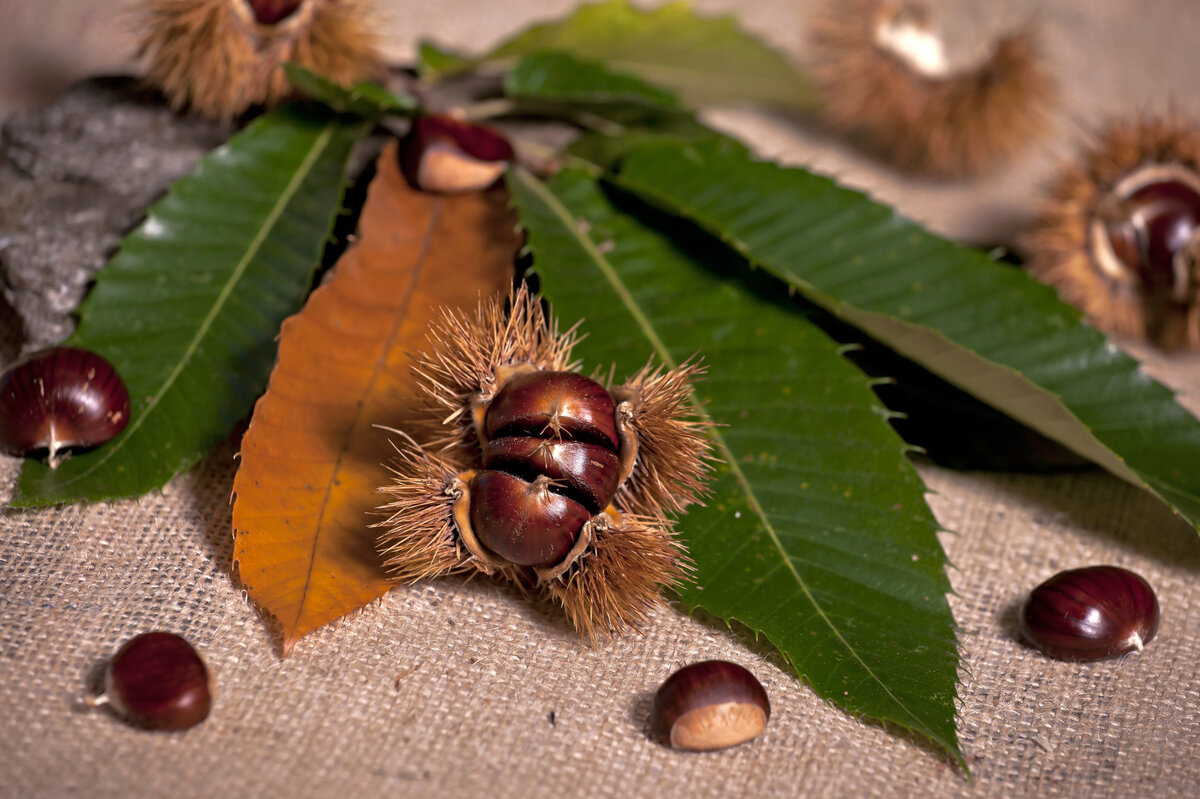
x,y
285,197
659,346
380,368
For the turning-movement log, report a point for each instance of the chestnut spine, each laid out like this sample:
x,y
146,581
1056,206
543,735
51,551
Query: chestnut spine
x,y
541,475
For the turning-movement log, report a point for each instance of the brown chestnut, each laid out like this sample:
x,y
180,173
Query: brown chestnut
x,y
562,404
1152,229
270,12
448,155
158,681
709,705
524,522
59,398
1090,613
588,473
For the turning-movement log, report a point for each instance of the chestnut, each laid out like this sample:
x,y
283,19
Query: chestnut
x,y
588,473
448,155
1090,613
272,12
524,522
1148,232
59,398
158,681
709,705
549,403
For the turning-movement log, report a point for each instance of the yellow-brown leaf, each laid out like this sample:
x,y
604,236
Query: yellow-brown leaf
x,y
311,459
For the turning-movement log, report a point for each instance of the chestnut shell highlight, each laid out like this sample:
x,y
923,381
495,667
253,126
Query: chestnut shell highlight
x,y
1090,613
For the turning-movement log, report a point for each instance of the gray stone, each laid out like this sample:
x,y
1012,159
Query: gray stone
x,y
76,176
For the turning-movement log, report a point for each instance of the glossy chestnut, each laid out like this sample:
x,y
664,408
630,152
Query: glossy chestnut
x,y
448,155
524,522
562,404
1090,613
709,705
588,473
1152,230
158,681
60,398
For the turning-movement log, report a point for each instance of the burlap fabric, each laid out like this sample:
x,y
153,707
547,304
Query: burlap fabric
x,y
462,688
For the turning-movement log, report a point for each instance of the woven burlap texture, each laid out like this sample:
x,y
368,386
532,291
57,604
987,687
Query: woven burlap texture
x,y
462,688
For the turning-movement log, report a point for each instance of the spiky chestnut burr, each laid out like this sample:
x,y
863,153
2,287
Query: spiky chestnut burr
x,y
1119,232
884,80
221,57
541,475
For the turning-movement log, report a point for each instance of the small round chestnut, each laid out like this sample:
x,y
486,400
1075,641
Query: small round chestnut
x,y
448,155
709,705
1090,613
60,398
157,681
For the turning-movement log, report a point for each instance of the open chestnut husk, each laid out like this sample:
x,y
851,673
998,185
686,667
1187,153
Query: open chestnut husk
x,y
1118,235
220,58
709,705
447,155
541,475
886,81
1090,614
60,398
158,681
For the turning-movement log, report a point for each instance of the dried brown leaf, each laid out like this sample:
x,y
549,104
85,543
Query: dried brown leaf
x,y
312,456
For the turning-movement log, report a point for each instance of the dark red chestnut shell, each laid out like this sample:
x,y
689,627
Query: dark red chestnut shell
x,y
1159,222
1090,613
59,398
271,12
566,405
447,155
588,473
524,522
550,458
158,681
709,705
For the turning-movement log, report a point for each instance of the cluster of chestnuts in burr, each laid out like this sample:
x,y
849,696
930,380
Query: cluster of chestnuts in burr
x,y
1119,234
58,399
538,474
